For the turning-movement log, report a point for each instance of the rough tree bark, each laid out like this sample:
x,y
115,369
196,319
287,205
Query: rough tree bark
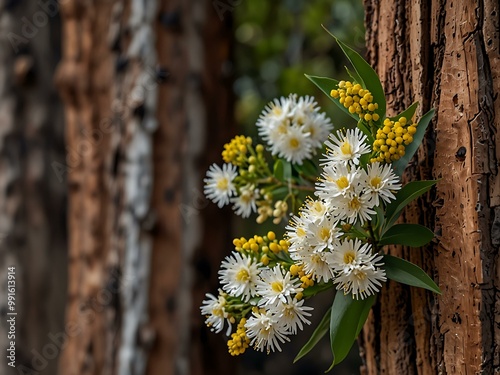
x,y
446,55
142,108
32,195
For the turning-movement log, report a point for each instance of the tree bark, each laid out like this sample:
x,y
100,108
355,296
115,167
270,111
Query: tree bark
x,y
445,55
33,194
141,111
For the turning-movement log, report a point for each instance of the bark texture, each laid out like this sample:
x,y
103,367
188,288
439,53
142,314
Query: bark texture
x,y
446,55
32,194
141,103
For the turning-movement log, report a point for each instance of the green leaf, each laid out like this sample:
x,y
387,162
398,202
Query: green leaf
x,y
400,165
407,113
409,192
366,131
316,288
282,170
279,169
414,235
327,85
404,272
354,76
347,315
317,335
367,74
364,314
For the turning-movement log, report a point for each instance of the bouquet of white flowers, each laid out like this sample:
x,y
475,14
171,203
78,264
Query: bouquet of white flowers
x,y
341,212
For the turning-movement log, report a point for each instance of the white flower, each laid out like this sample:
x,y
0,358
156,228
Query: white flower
x,y
337,179
294,145
353,206
293,127
381,182
219,183
315,264
239,275
214,310
293,313
266,330
313,210
361,281
318,127
296,233
321,234
357,270
346,148
348,255
246,202
275,286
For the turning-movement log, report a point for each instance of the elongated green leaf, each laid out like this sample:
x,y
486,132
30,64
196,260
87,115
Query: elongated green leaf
x,y
400,165
279,169
282,170
367,74
364,314
317,335
407,234
409,192
407,113
327,85
404,272
346,317
317,288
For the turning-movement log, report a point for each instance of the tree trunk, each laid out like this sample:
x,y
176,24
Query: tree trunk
x,y
141,111
32,203
445,56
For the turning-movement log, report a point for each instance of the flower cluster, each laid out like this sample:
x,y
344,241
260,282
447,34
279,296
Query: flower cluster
x,y
356,99
294,128
322,237
391,139
262,290
336,235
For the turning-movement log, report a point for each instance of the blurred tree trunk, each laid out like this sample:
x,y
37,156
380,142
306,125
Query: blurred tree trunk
x,y
447,57
32,195
146,100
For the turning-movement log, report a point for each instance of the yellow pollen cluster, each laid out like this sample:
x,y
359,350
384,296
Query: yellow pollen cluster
x,y
239,341
356,99
261,246
307,281
391,140
235,152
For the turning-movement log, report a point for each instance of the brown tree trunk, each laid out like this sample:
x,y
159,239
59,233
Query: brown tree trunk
x,y
140,114
32,193
446,56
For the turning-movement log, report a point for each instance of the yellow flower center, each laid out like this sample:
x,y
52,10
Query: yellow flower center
x,y
375,182
222,183
243,275
360,275
354,204
324,233
218,311
349,257
294,143
277,286
342,182
301,232
346,148
277,111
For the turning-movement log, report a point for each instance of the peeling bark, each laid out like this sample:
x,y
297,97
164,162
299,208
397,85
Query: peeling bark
x,y
446,56
133,73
